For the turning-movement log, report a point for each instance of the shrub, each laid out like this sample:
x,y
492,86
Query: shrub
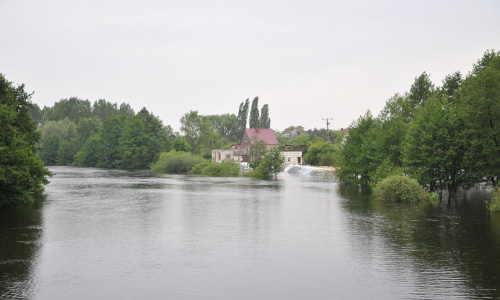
x,y
398,188
176,162
226,168
494,203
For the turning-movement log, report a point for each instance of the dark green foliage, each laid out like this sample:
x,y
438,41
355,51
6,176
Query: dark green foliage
x,y
199,135
254,114
322,154
434,146
420,90
91,153
36,114
102,110
176,162
128,142
226,168
226,126
242,118
48,153
399,189
22,173
494,203
271,164
445,137
180,144
479,108
265,121
85,129
73,108
360,158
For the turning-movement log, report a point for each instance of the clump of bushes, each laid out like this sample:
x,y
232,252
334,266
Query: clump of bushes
x,y
494,203
226,168
399,188
176,162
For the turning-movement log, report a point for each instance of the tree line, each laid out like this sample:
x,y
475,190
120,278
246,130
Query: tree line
x,y
103,134
445,136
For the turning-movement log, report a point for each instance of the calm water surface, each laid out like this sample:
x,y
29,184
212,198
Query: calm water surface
x,y
108,234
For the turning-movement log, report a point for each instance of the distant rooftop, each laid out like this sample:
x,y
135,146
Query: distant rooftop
x,y
262,134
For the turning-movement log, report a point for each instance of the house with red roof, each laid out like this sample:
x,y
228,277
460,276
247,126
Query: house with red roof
x,y
251,136
241,152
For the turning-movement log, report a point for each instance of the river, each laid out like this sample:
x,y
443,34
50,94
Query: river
x,y
116,234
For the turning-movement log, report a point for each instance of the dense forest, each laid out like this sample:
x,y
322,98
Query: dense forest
x,y
444,136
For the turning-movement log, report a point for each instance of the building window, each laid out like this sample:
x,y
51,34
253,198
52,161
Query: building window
x,y
288,159
228,156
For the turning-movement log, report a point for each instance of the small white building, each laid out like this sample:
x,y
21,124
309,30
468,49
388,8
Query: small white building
x,y
292,157
220,155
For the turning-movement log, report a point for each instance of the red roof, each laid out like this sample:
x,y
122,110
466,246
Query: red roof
x,y
262,134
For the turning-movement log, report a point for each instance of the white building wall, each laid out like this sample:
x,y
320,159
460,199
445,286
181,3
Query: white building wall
x,y
220,155
292,157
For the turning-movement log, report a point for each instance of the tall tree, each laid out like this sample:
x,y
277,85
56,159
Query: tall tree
x,y
103,109
242,118
265,121
254,113
479,108
420,90
22,174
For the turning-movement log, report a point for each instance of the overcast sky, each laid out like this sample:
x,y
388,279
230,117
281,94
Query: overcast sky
x,y
307,59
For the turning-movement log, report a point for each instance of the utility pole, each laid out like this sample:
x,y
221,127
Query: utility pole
x,y
328,130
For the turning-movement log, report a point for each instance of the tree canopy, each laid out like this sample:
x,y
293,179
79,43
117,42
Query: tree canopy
x,y
444,137
22,173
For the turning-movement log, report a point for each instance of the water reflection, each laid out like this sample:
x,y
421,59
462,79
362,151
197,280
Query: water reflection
x,y
20,231
134,235
447,250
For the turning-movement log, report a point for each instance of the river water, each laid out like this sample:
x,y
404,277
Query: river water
x,y
114,234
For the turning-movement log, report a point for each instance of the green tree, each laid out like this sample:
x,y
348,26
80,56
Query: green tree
x,y
322,154
271,164
110,134
420,90
73,108
103,109
36,114
85,129
479,108
181,145
65,128
359,152
265,121
258,149
433,148
242,118
226,126
254,114
22,173
50,150
90,155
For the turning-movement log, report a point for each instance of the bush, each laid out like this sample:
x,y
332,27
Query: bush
x,y
226,168
398,188
494,203
176,162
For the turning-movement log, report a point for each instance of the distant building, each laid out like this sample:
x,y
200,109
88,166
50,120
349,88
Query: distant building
x,y
241,152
